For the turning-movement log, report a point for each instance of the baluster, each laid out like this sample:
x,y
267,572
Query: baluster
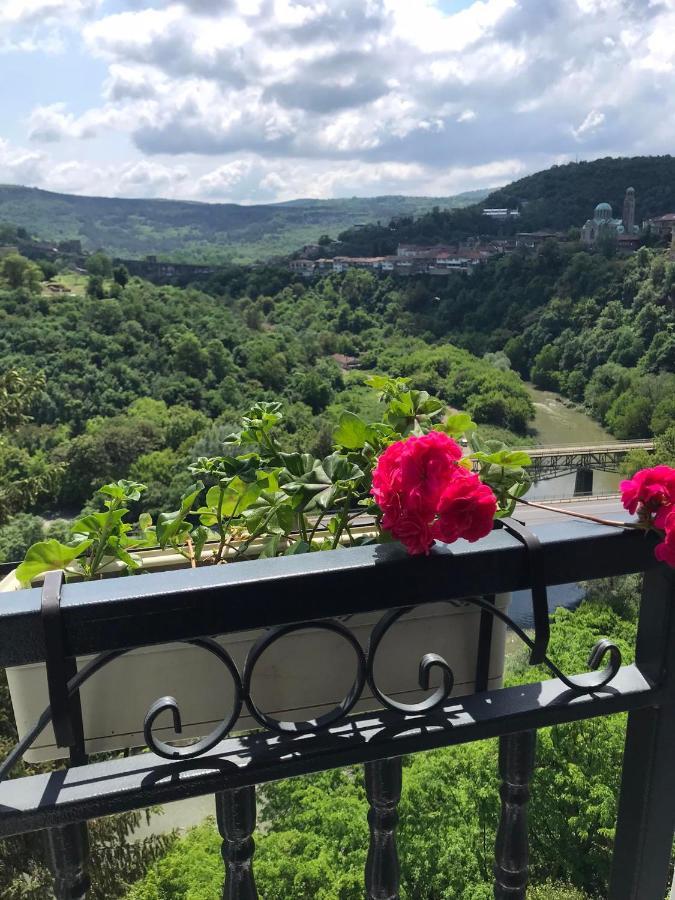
x,y
516,765
236,815
67,853
383,789
67,846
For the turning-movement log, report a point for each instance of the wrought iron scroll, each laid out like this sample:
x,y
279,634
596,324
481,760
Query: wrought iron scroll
x,y
364,674
542,631
330,718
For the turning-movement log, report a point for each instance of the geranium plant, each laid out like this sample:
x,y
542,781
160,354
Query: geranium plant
x,y
404,477
256,499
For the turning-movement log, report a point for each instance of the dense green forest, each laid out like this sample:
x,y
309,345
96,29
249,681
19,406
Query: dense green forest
x,y
601,331
557,199
200,232
135,380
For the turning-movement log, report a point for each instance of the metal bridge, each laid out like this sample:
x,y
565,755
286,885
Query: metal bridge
x,y
552,462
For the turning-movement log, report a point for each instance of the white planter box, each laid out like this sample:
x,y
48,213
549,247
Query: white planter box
x,y
299,677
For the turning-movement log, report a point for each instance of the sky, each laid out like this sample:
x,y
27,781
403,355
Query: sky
x,y
253,101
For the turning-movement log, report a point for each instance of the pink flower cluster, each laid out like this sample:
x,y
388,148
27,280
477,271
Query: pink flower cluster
x,y
651,493
425,495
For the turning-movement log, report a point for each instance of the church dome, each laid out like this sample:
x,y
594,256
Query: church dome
x,y
603,211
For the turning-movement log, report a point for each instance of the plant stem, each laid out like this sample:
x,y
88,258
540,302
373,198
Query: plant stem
x,y
244,547
341,524
578,515
224,543
314,529
103,540
191,552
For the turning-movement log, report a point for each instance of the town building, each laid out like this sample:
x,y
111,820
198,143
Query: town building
x,y
662,226
502,214
604,225
304,267
534,239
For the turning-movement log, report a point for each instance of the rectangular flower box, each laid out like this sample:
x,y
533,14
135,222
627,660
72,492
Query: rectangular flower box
x,y
301,676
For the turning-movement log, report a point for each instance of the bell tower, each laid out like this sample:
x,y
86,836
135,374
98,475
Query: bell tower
x,y
629,211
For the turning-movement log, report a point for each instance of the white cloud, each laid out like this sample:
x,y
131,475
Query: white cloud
x,y
264,99
591,123
20,165
27,26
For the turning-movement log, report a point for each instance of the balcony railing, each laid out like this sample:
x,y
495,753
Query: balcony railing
x,y
110,617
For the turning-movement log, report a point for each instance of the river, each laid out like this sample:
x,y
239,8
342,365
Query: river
x,y
557,425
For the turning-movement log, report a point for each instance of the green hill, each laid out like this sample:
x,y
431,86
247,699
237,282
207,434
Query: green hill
x,y
563,196
201,232
558,198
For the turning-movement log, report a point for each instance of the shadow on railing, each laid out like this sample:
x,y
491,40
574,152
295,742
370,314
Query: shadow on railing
x,y
328,607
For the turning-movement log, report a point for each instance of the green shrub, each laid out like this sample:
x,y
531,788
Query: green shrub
x,y
17,535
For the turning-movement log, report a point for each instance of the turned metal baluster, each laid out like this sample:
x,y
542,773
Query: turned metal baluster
x,y
236,815
383,789
67,846
516,765
67,853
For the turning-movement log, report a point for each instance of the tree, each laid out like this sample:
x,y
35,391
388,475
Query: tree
x,y
121,275
98,264
190,357
545,373
95,288
104,453
17,536
20,272
24,477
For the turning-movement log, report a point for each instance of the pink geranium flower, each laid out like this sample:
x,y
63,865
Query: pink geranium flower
x,y
424,494
650,492
466,509
665,551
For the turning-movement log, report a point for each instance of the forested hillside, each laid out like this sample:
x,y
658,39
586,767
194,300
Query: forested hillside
x,y
601,331
200,232
143,379
557,199
564,196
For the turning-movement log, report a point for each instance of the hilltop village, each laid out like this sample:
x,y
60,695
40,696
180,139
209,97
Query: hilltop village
x,y
597,233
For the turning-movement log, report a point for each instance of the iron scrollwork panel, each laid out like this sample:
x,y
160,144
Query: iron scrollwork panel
x,y
364,674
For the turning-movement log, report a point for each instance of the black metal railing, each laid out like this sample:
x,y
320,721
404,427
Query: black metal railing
x,y
323,591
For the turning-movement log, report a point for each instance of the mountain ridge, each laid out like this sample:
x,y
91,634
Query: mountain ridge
x,y
199,231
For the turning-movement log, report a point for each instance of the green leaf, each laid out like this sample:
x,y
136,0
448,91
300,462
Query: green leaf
x,y
507,458
297,464
122,490
352,432
170,525
457,424
94,524
199,537
297,547
340,469
46,556
270,546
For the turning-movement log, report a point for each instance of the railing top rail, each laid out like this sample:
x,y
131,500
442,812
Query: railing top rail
x,y
162,607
